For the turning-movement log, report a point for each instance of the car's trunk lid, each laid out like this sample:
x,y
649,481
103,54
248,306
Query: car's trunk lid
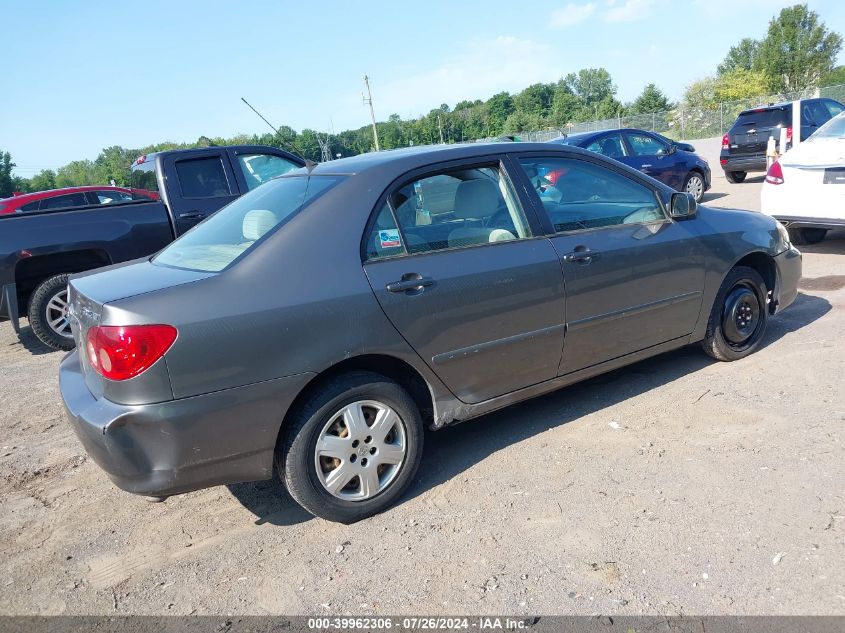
x,y
90,292
751,132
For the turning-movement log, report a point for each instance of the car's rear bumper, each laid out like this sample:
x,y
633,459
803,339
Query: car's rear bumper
x,y
788,265
170,447
746,162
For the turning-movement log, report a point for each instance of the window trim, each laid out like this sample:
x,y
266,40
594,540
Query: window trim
x,y
498,161
587,157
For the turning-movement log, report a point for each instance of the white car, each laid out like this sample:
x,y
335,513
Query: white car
x,y
805,188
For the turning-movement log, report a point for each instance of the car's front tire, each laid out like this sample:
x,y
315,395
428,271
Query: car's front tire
x,y
739,316
47,313
694,184
803,237
735,177
352,448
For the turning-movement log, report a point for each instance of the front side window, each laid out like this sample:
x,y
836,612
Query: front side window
x,y
610,145
202,178
834,107
579,195
458,207
226,235
645,145
32,206
259,168
111,197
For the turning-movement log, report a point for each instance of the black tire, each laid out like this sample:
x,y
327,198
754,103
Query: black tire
x,y
297,462
735,177
39,302
742,290
803,237
698,191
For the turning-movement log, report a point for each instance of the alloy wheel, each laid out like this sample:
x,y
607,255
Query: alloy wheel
x,y
56,313
360,450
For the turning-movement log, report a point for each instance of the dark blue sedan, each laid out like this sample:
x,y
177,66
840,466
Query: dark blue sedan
x,y
672,163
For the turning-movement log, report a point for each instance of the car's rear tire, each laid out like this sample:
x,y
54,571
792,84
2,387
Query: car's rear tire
x,y
803,237
48,313
694,184
735,177
739,316
351,449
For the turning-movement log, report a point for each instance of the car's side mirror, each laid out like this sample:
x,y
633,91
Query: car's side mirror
x,y
684,147
682,205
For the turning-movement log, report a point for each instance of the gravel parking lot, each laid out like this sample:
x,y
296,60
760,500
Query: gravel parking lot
x,y
678,485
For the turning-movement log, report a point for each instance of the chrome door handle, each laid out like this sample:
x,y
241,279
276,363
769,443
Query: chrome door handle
x,y
584,256
191,215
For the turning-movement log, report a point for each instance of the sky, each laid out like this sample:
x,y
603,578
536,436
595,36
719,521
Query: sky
x,y
86,74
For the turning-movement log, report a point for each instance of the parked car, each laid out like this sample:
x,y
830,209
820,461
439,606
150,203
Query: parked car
x,y
315,326
40,248
744,146
672,163
68,197
805,188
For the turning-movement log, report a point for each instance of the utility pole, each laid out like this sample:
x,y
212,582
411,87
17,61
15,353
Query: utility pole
x,y
369,100
440,125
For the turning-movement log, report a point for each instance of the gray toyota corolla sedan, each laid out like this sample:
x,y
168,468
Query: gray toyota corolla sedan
x,y
311,329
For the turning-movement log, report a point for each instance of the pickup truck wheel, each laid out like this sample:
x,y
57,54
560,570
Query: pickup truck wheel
x,y
352,448
735,177
47,313
739,316
694,184
803,237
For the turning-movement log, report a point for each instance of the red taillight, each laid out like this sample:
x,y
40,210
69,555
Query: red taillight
x,y
726,142
775,174
788,136
723,161
120,352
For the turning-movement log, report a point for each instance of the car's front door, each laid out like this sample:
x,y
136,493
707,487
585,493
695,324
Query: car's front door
x,y
461,273
652,156
634,278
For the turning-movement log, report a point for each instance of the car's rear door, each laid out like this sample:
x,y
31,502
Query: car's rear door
x,y
634,278
465,277
198,185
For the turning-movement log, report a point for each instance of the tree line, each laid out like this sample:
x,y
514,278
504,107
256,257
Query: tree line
x,y
797,52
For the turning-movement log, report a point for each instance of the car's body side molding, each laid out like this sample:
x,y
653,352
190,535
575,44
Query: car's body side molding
x,y
645,307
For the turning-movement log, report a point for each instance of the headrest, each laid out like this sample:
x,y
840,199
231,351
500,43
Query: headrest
x,y
257,222
476,199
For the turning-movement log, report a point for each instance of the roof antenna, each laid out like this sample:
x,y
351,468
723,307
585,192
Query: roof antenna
x,y
291,146
310,165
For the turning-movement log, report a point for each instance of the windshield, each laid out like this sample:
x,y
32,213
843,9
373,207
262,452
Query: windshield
x,y
835,128
226,235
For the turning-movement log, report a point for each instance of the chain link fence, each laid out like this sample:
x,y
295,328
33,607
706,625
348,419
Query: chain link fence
x,y
684,122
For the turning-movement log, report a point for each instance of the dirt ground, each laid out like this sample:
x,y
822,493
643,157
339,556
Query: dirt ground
x,y
675,486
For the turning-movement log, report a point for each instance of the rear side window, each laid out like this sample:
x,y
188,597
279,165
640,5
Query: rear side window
x,y
202,178
384,239
259,168
610,145
229,233
111,197
32,206
62,202
814,113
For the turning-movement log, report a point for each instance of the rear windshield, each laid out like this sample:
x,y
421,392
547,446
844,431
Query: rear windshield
x,y
221,239
143,176
762,119
835,128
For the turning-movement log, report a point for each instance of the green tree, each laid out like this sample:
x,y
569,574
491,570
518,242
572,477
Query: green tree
x,y
591,85
8,183
834,77
651,99
499,107
535,99
741,84
43,180
565,105
701,94
77,173
741,56
798,50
